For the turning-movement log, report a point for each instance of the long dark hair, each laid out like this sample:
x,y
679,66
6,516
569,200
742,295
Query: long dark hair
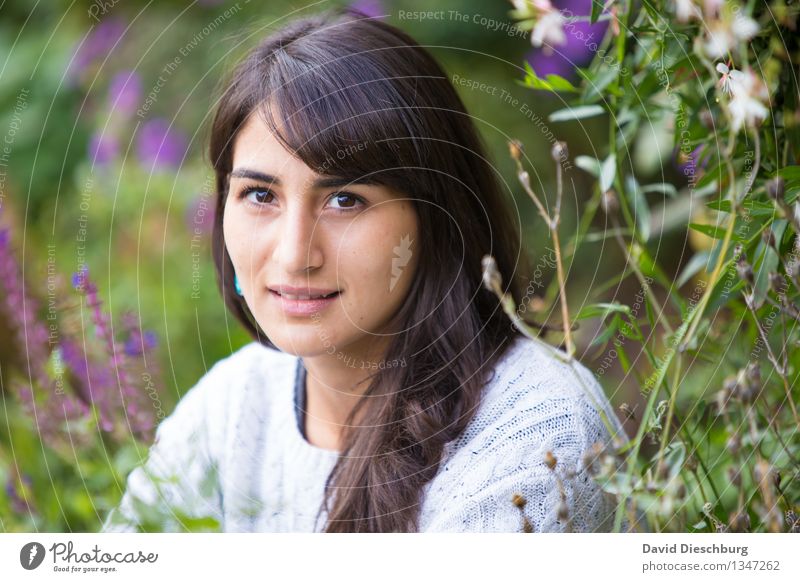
x,y
339,79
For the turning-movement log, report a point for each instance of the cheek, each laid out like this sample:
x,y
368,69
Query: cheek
x,y
375,247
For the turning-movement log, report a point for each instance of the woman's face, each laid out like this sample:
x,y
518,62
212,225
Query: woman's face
x,y
286,224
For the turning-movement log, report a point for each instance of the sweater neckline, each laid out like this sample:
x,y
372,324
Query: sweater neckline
x,y
298,402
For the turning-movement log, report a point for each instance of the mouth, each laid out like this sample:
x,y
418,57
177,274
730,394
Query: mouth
x,y
304,305
316,297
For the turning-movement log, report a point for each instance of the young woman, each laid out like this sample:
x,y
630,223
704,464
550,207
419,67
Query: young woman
x,y
386,391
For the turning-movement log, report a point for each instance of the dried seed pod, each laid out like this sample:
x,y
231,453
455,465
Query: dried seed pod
x,y
775,188
753,372
550,460
768,237
792,521
589,457
562,511
777,283
707,119
526,525
559,151
739,521
734,444
518,500
735,476
745,270
609,202
627,411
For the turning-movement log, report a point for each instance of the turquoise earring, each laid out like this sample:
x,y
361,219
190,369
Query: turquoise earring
x,y
236,285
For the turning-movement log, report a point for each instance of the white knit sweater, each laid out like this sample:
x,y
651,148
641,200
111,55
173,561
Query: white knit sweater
x,y
232,452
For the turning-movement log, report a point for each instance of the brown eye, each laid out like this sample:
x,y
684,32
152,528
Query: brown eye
x,y
345,201
257,195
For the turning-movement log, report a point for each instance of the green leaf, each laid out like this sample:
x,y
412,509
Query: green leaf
x,y
716,173
602,309
597,10
753,207
661,188
708,230
573,113
641,210
588,164
697,262
624,360
608,172
789,173
559,83
597,83
552,83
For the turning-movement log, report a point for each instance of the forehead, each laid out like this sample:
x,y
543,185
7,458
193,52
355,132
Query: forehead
x,y
256,147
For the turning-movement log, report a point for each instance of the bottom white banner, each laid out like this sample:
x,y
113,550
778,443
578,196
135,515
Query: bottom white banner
x,y
389,557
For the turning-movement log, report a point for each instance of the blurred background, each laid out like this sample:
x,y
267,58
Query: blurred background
x,y
106,207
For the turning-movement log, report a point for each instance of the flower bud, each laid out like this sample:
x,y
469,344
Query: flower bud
x,y
775,188
735,476
515,149
559,151
627,411
609,202
550,460
518,500
563,511
739,521
707,119
734,444
744,270
777,283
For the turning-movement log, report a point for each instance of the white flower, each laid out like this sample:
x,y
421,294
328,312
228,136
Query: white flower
x,y
744,27
686,10
748,96
549,30
723,35
712,7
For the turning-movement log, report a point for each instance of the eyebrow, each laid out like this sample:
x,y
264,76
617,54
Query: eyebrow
x,y
323,182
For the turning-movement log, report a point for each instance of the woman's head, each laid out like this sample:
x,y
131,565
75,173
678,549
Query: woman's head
x,y
339,111
287,226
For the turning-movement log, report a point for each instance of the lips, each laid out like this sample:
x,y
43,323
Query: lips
x,y
303,305
306,297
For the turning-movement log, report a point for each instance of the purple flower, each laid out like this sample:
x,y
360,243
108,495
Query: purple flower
x,y
38,392
103,148
125,91
688,164
159,145
96,45
583,41
140,342
371,8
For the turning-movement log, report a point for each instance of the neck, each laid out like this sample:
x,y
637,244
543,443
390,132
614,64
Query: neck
x,y
334,385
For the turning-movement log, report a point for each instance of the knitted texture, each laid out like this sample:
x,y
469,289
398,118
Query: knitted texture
x,y
232,453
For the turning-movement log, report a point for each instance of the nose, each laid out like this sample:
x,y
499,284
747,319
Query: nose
x,y
298,246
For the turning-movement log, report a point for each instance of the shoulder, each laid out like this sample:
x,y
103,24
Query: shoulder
x,y
232,384
533,405
533,393
234,373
